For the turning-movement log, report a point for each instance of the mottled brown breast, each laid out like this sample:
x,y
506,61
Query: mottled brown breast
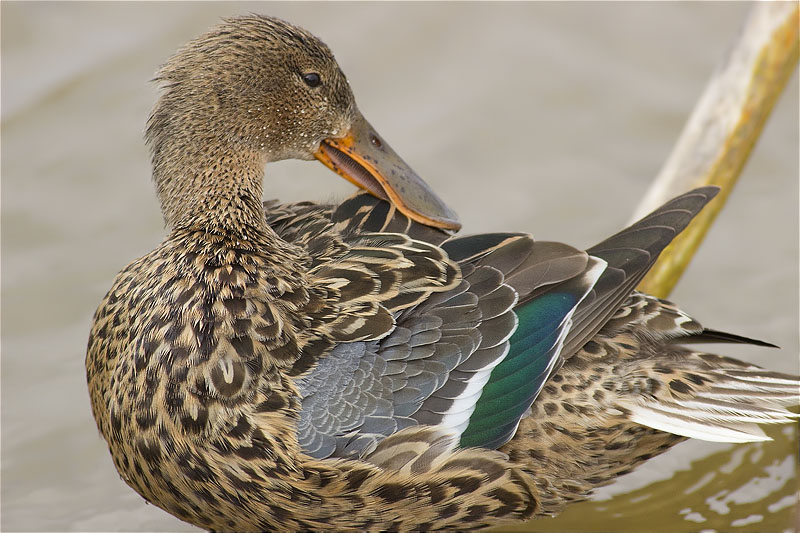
x,y
189,345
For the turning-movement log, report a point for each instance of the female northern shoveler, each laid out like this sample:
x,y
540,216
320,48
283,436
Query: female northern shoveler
x,y
355,366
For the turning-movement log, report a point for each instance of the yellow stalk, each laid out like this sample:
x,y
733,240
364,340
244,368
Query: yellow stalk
x,y
723,128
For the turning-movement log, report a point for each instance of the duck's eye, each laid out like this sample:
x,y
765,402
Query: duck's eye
x,y
312,79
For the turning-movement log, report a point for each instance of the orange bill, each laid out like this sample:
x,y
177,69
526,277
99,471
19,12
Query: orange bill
x,y
366,160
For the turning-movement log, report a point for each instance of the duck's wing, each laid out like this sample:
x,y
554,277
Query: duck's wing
x,y
431,369
630,254
471,358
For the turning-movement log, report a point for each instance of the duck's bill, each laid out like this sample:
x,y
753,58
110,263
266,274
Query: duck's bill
x,y
366,160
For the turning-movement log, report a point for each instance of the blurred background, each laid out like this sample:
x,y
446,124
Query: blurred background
x,y
550,118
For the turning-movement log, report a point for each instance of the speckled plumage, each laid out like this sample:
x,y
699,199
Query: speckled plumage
x,y
306,367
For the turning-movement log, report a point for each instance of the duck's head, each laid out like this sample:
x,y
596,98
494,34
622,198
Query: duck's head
x,y
257,89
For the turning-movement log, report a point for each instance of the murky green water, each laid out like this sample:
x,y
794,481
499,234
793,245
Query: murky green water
x,y
550,118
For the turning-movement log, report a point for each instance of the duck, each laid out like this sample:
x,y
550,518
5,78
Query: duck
x,y
361,365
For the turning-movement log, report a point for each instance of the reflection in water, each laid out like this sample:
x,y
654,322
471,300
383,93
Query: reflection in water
x,y
750,487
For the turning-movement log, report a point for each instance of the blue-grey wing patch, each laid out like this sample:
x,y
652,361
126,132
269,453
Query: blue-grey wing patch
x,y
345,402
364,391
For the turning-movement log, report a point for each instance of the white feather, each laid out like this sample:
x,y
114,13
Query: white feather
x,y
687,427
712,411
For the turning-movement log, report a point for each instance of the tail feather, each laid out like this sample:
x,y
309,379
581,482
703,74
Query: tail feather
x,y
722,404
715,336
686,426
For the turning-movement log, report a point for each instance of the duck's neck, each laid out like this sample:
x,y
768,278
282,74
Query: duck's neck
x,y
204,183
